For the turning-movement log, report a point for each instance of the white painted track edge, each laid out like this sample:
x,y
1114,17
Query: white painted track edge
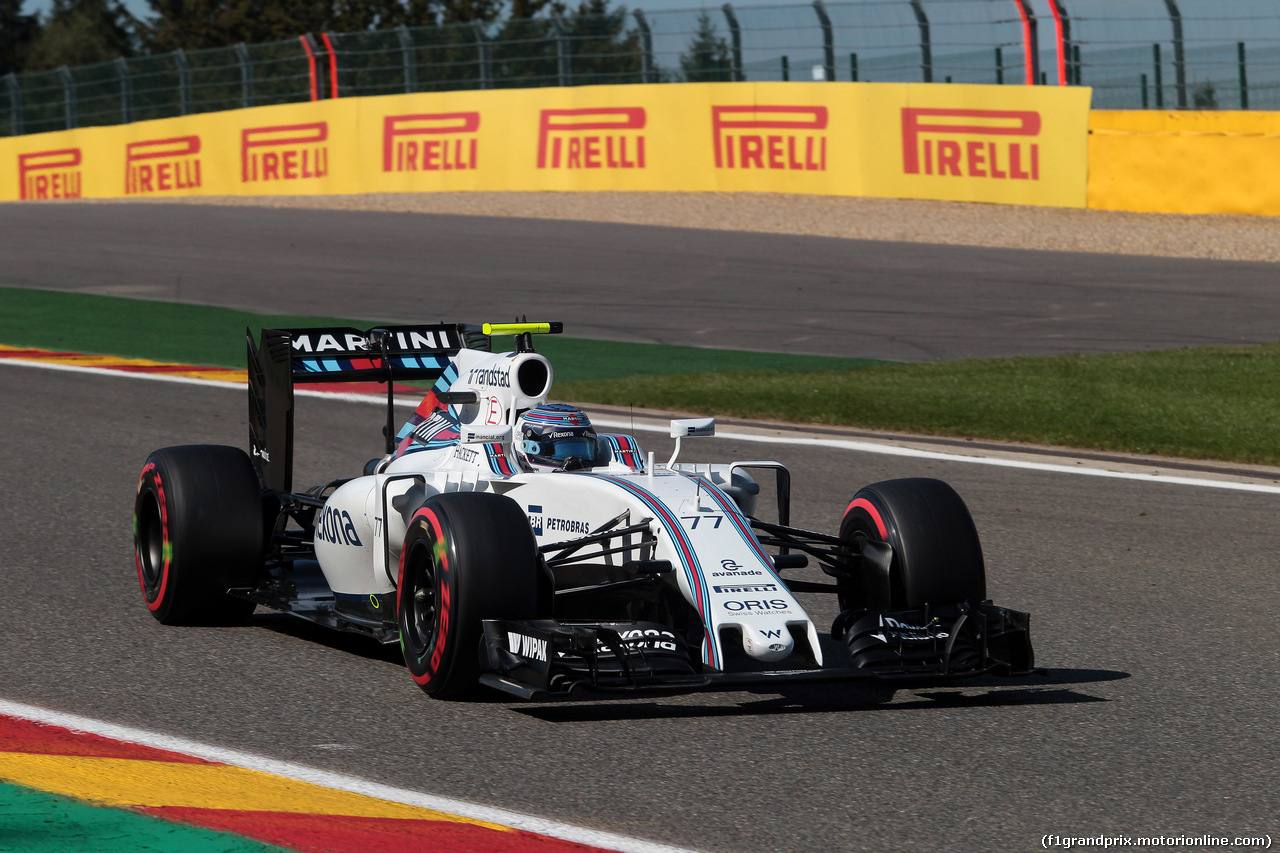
x,y
833,443
337,781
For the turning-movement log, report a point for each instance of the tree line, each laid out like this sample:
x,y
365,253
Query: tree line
x,y
81,32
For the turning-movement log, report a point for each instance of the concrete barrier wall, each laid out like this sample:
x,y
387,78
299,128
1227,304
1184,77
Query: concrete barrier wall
x,y
1153,161
1004,144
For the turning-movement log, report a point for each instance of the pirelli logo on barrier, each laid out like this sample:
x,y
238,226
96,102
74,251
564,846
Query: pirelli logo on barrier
x,y
770,137
287,152
430,142
44,175
162,165
998,144
598,138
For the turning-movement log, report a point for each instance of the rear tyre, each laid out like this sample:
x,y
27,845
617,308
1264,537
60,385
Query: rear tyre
x,y
936,553
467,557
198,531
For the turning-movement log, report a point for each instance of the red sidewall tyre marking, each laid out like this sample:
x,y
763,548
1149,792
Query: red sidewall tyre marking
x,y
435,654
871,510
166,550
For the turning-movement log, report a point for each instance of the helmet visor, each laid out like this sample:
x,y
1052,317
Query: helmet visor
x,y
566,447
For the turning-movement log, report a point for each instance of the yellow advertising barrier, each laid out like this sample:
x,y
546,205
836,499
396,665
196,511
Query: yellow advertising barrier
x,y
1152,161
1007,144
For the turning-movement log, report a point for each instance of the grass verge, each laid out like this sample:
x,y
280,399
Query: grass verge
x,y
200,334
1207,403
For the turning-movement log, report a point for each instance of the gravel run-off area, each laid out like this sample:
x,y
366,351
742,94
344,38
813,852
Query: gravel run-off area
x,y
1237,238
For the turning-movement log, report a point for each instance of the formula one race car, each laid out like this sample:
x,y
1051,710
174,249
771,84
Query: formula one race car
x,y
502,541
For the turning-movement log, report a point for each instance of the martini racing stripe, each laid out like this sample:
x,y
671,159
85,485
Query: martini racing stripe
x,y
688,561
735,517
346,365
498,461
624,449
444,431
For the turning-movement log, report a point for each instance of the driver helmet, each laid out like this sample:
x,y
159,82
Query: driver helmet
x,y
550,435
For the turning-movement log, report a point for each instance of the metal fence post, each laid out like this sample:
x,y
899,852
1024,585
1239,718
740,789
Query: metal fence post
x,y
853,67
646,48
1155,53
410,67
563,69
1142,79
999,67
1062,23
126,90
1030,42
15,102
333,63
184,82
735,37
1244,80
786,69
310,48
926,47
486,55
68,96
246,73
1077,65
828,42
1179,58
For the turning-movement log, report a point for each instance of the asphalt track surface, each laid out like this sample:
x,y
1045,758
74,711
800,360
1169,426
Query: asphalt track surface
x,y
900,301
1154,605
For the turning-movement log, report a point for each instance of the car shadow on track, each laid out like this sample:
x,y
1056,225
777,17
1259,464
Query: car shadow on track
x,y
1053,688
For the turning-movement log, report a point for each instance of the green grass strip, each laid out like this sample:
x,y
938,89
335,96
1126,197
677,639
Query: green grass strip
x,y
1206,403
200,334
40,822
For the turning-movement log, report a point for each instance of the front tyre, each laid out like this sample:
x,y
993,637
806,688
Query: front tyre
x,y
936,553
198,531
467,557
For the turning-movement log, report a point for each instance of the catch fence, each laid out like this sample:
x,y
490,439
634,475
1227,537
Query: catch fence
x,y
1157,54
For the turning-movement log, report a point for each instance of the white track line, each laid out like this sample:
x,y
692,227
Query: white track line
x,y
337,781
833,443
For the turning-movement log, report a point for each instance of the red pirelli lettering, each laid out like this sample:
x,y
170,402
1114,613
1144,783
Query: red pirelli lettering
x,y
179,168
619,146
1013,157
302,153
402,151
800,146
44,175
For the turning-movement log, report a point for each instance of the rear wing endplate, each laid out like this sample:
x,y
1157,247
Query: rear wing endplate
x,y
387,354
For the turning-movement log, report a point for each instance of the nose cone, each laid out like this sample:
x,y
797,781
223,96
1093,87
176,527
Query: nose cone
x,y
768,644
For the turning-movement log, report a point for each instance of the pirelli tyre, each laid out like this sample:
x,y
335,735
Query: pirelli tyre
x,y
936,556
467,557
197,532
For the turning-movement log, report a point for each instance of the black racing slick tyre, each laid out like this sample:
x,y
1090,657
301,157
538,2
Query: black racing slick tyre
x,y
936,553
197,532
467,557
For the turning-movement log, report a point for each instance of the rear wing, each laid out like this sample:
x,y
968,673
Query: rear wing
x,y
387,354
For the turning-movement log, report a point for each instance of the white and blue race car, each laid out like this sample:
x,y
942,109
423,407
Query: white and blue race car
x,y
502,541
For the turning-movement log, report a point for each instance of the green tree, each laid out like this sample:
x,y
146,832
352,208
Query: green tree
x,y
17,34
79,32
603,49
707,59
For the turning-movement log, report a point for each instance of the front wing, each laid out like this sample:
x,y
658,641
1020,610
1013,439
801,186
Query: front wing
x,y
545,660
